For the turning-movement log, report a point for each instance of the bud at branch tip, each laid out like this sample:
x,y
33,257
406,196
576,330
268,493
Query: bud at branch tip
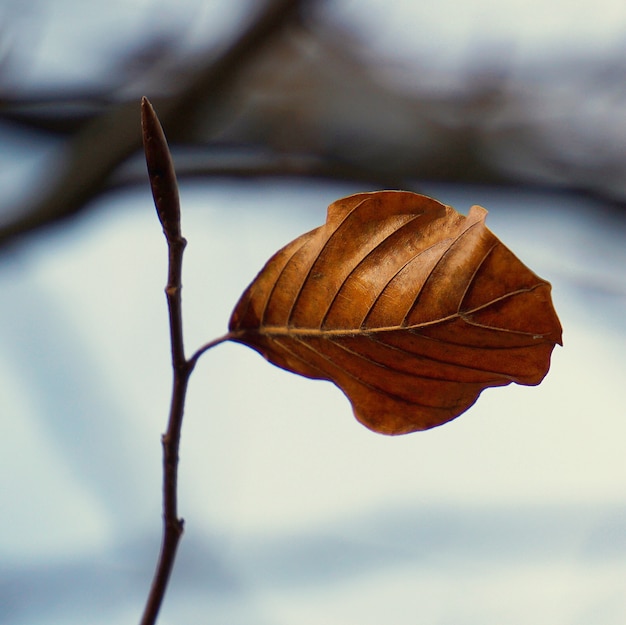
x,y
160,172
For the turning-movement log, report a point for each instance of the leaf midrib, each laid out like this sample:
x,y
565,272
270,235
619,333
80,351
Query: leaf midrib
x,y
329,332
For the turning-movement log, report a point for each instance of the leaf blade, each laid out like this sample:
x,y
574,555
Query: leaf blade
x,y
410,308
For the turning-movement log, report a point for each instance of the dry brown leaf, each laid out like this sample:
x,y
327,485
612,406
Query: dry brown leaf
x,y
410,308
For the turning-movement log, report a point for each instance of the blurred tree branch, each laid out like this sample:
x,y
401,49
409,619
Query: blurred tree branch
x,y
296,95
103,143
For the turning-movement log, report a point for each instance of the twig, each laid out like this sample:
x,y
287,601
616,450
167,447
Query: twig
x,y
165,194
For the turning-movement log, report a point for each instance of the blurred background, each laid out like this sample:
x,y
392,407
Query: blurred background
x,y
513,513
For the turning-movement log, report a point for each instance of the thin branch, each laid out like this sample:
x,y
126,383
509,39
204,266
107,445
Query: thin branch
x,y
165,193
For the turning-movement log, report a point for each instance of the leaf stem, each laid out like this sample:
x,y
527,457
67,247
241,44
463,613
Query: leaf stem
x,y
229,336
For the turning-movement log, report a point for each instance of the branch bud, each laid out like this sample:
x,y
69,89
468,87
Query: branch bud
x,y
160,172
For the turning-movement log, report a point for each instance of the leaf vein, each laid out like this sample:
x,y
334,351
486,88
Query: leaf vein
x,y
454,242
365,258
413,374
305,279
376,388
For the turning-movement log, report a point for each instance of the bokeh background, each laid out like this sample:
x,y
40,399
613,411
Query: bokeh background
x,y
514,513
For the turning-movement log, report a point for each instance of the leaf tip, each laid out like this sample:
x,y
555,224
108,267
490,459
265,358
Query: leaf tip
x,y
477,213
